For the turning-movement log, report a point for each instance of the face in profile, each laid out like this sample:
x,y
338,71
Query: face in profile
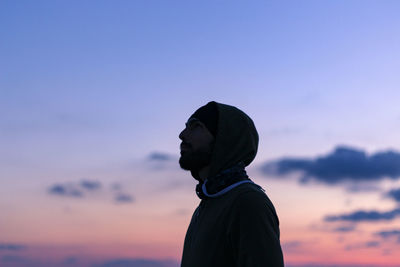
x,y
196,147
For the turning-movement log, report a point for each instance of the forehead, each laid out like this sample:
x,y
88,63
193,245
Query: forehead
x,y
191,120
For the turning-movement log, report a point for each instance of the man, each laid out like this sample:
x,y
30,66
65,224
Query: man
x,y
235,223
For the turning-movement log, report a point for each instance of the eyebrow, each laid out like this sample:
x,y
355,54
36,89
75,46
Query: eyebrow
x,y
191,120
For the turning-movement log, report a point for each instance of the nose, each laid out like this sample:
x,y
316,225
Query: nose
x,y
181,135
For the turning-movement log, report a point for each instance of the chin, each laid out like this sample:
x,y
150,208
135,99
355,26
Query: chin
x,y
186,162
182,163
190,161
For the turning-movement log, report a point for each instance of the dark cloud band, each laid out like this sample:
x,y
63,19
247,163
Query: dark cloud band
x,y
394,194
343,164
364,216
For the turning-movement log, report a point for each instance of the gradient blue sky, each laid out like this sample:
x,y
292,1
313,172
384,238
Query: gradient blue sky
x,y
90,88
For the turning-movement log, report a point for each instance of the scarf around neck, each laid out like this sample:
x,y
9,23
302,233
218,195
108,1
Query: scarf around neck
x,y
223,182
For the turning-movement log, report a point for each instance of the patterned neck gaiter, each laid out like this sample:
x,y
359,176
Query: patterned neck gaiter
x,y
223,182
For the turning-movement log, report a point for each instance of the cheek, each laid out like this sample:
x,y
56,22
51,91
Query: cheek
x,y
205,148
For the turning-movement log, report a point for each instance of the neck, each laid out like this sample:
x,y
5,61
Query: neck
x,y
203,173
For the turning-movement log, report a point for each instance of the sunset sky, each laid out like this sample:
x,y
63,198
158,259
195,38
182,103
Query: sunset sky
x,y
93,96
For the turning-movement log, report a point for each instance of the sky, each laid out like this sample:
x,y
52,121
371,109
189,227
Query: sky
x,y
93,96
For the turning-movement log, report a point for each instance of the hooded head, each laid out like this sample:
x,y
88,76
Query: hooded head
x,y
232,134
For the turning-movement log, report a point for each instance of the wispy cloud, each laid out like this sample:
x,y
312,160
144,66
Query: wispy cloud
x,y
158,161
65,190
345,229
343,164
372,244
138,263
362,188
390,234
120,196
365,216
369,244
11,247
292,246
159,156
90,185
15,260
123,198
74,189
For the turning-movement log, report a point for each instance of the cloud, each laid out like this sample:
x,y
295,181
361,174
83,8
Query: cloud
x,y
372,244
84,187
138,263
369,244
119,195
90,185
65,190
362,188
74,189
124,198
343,164
14,260
345,229
394,194
389,234
11,247
158,156
291,246
158,161
364,216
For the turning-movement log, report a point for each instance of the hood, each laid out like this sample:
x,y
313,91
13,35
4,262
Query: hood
x,y
236,140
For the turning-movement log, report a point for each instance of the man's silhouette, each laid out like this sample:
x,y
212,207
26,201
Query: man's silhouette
x,y
235,223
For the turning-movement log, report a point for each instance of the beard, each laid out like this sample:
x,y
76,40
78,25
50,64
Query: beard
x,y
195,160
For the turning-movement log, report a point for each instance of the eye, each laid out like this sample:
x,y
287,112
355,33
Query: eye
x,y
193,125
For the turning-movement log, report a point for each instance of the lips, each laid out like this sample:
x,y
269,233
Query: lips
x,y
184,147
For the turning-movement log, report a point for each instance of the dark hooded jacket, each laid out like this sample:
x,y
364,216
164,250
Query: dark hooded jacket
x,y
235,224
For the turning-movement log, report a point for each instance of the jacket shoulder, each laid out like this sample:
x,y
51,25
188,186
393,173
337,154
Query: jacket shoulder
x,y
251,200
251,193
